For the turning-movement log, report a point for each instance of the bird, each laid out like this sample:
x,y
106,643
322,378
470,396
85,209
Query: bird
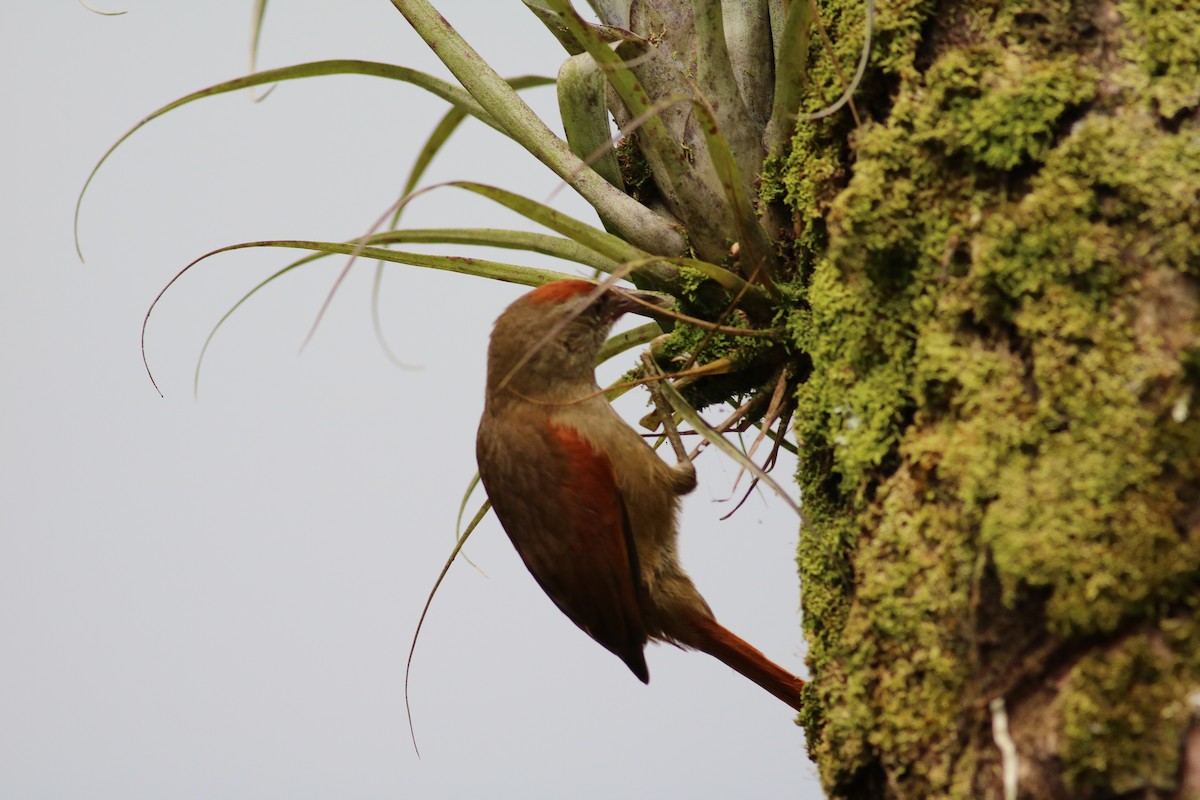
x,y
588,505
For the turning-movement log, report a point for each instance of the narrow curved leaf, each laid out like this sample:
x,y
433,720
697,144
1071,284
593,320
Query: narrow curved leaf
x,y
606,244
260,13
635,222
479,267
436,86
685,410
495,270
97,11
437,139
583,106
555,246
446,126
458,546
791,73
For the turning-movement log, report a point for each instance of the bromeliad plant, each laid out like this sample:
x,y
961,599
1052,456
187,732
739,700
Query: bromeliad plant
x,y
706,96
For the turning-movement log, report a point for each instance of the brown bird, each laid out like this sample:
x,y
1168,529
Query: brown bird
x,y
589,506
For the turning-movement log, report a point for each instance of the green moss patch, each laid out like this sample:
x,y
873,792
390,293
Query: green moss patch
x,y
1001,307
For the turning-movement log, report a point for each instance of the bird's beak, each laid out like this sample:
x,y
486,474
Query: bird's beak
x,y
645,303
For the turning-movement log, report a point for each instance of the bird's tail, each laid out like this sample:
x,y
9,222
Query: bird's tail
x,y
740,656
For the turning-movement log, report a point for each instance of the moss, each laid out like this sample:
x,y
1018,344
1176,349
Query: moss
x,y
753,359
1001,309
810,176
1132,196
635,171
1164,41
690,283
896,37
1125,710
999,106
1085,512
906,617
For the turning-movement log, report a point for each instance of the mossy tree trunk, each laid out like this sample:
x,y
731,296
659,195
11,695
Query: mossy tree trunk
x,y
1000,435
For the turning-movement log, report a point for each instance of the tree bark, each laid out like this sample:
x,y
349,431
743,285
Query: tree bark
x,y
1000,435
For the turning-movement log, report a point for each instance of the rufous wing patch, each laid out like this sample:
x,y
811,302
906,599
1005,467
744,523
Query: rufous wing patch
x,y
598,585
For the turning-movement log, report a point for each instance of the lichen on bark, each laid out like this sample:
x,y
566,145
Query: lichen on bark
x,y
1001,431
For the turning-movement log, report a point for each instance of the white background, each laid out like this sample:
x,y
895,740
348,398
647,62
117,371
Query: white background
x,y
214,598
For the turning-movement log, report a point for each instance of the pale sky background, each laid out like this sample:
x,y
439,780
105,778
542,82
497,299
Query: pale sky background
x,y
214,598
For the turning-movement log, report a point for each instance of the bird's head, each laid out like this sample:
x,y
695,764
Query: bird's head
x,y
551,336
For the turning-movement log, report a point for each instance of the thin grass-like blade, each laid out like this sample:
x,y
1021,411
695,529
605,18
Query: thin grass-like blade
x,y
791,74
260,12
635,222
556,246
436,86
446,127
458,546
606,244
863,59
474,483
478,267
685,410
98,12
229,312
495,270
437,139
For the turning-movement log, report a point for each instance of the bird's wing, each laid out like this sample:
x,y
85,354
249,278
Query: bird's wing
x,y
593,577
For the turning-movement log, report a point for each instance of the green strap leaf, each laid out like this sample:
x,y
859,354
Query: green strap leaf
x,y
758,252
560,31
446,127
495,270
748,34
583,105
714,75
657,271
436,86
634,221
791,73
556,246
606,244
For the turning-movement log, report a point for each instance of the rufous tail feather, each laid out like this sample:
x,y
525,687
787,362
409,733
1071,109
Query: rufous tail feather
x,y
741,657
